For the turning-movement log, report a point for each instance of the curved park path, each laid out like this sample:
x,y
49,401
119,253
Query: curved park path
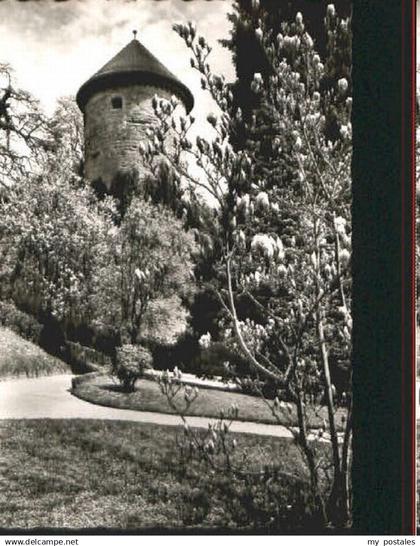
x,y
50,397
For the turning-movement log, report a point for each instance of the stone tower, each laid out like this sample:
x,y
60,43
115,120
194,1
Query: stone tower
x,y
116,103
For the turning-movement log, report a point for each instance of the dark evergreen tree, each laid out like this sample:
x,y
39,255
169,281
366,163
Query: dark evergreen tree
x,y
328,26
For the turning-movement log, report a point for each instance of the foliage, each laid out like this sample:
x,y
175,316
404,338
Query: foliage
x,y
69,258
211,361
261,501
65,138
23,324
261,497
283,233
130,365
250,57
142,272
50,233
267,496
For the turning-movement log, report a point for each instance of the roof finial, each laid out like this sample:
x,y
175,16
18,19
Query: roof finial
x,y
135,34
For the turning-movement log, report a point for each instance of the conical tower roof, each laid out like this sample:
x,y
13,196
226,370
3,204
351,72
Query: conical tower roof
x,y
134,64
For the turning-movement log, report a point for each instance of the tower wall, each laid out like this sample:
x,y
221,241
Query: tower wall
x,y
113,133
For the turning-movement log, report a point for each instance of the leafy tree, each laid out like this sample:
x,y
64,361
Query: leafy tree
x,y
63,248
50,232
333,47
143,272
283,235
65,137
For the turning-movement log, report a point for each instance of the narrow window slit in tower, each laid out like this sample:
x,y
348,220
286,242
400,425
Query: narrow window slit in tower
x,y
116,102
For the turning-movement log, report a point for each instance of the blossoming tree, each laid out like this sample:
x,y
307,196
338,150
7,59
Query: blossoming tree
x,y
142,273
50,233
284,235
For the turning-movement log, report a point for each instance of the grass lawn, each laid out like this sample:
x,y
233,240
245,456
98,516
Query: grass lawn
x,y
147,397
90,473
19,357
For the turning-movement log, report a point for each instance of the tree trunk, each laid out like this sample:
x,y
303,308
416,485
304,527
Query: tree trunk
x,y
310,459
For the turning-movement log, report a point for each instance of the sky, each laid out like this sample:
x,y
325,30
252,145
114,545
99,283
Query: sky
x,y
54,47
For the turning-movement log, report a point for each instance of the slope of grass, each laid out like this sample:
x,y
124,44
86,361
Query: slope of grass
x,y
19,357
91,473
148,397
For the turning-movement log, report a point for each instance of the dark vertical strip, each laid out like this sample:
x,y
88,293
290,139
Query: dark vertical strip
x,y
382,267
408,263
414,259
412,273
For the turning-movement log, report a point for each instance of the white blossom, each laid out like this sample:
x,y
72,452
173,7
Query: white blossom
x,y
344,256
282,270
243,202
298,144
308,40
342,310
205,341
262,200
264,244
331,10
343,85
280,248
340,224
345,132
139,274
257,277
241,238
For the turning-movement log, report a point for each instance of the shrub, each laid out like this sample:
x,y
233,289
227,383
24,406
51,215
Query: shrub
x,y
209,362
194,504
21,323
266,501
256,492
130,364
254,496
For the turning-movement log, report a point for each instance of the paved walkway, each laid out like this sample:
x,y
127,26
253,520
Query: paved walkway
x,y
191,379
50,397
